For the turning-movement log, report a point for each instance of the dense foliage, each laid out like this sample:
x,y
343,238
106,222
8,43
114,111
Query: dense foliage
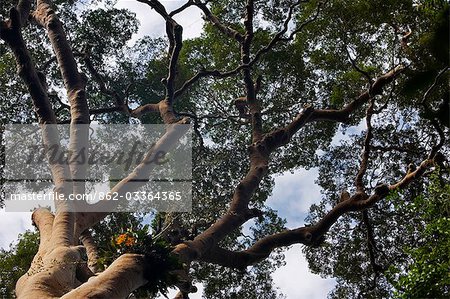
x,y
341,46
426,262
15,262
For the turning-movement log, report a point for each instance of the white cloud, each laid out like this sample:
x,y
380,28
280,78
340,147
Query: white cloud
x,y
344,136
152,24
294,193
192,22
12,224
292,196
297,282
197,295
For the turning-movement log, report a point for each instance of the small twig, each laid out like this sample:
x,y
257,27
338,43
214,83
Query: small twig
x,y
371,245
436,80
366,149
230,32
167,228
279,36
359,70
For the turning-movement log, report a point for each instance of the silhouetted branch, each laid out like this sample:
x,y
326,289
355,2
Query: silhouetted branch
x,y
181,8
279,36
342,115
216,22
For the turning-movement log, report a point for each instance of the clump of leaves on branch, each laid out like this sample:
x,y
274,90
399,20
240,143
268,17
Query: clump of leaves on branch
x,y
156,251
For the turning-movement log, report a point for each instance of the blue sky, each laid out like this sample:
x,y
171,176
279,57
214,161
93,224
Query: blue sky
x,y
292,196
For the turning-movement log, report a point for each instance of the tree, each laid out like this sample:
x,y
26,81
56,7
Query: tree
x,y
17,261
265,95
427,275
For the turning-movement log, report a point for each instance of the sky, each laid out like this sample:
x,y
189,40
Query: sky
x,y
292,196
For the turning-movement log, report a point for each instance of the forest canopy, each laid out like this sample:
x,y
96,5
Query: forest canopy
x,y
358,90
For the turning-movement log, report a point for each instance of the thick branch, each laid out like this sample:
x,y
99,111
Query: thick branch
x,y
181,8
24,7
308,235
253,104
238,212
359,183
145,109
371,246
282,136
75,86
91,250
178,43
342,115
127,271
10,31
46,17
43,220
174,34
137,178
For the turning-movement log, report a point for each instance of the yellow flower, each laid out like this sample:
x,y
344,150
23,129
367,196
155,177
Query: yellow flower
x,y
125,238
129,241
120,239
